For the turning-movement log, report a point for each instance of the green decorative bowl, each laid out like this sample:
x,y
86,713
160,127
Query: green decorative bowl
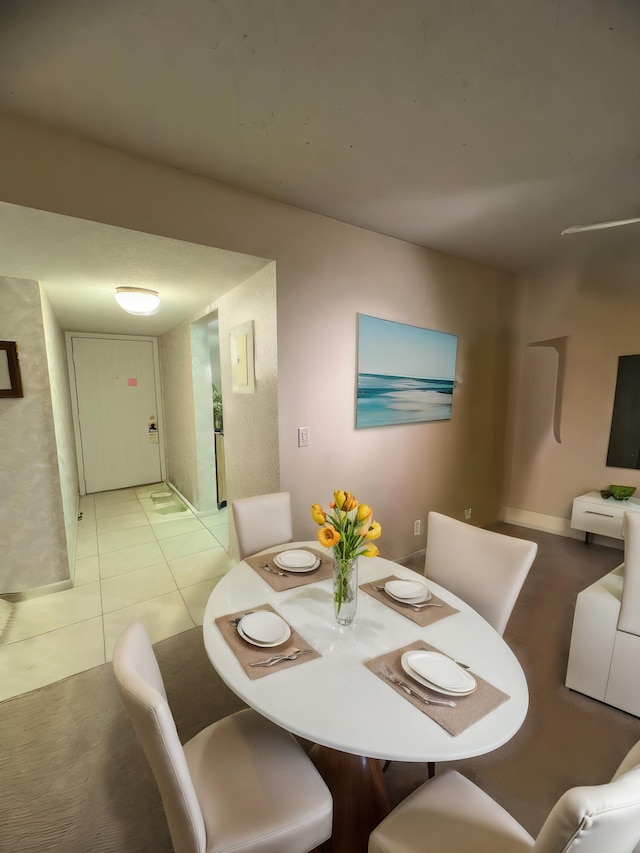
x,y
622,493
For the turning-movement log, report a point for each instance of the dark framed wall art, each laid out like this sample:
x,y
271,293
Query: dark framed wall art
x,y
10,380
624,438
406,374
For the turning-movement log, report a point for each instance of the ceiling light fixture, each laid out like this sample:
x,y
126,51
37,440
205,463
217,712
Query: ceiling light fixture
x,y
137,300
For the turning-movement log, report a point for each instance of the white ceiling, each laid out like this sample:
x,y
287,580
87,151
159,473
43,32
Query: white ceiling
x,y
479,128
81,263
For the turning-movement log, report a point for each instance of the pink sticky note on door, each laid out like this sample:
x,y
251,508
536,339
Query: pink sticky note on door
x,y
133,381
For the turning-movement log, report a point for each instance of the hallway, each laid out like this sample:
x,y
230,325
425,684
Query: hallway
x,y
135,559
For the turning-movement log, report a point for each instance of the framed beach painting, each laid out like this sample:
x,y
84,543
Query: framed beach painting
x,y
405,374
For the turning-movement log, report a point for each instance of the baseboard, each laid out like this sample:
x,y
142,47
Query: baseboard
x,y
199,513
552,524
36,592
415,560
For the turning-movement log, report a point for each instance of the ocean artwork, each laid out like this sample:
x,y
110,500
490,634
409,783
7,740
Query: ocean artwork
x,y
405,374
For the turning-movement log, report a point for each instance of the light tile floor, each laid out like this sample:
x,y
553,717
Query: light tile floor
x,y
134,560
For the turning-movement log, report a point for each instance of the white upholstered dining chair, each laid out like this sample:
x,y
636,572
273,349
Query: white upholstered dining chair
x,y
242,784
449,813
262,521
605,639
483,568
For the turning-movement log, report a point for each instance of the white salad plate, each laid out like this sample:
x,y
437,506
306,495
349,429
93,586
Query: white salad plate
x,y
263,628
438,672
409,592
296,561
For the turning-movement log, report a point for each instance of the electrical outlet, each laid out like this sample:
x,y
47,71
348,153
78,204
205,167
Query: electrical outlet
x,y
303,436
417,527
467,514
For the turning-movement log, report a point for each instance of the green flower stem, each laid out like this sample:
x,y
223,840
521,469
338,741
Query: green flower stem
x,y
341,584
341,592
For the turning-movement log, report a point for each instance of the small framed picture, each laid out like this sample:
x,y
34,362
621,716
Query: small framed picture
x,y
242,369
10,381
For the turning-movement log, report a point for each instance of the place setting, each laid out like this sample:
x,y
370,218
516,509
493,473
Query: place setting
x,y
288,568
263,641
441,687
412,598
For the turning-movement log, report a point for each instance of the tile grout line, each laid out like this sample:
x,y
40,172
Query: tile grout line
x,y
92,514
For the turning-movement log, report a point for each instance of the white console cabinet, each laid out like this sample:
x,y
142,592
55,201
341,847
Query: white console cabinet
x,y
595,514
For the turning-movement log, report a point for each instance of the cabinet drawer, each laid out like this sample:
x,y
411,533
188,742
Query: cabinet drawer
x,y
605,520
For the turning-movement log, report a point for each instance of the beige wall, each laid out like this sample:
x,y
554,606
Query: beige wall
x,y
251,439
251,421
174,350
33,548
600,316
327,272
203,414
63,423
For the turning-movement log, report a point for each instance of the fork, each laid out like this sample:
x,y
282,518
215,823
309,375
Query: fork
x,y
292,655
268,568
411,691
238,619
418,607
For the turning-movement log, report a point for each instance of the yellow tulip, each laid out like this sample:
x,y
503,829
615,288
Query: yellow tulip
x,y
374,531
371,550
318,514
364,512
338,497
328,536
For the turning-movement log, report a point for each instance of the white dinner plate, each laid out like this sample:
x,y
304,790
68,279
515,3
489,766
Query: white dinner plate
x,y
297,561
409,592
438,672
264,628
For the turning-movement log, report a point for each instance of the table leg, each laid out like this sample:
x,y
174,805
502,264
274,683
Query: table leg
x,y
359,797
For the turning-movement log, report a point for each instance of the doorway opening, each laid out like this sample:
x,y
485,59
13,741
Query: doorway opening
x,y
207,392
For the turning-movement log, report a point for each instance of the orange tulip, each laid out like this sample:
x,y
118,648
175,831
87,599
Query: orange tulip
x,y
371,550
349,502
318,514
345,501
328,536
374,531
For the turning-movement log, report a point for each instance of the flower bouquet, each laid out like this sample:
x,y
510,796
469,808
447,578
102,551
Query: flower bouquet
x,y
347,528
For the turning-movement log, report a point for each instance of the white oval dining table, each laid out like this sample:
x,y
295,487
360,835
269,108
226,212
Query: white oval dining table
x,y
354,717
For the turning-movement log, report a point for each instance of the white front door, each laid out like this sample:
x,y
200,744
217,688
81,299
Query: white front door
x,y
117,401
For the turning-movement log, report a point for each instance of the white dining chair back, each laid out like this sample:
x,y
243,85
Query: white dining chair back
x,y
629,620
484,568
241,784
142,690
450,813
597,818
262,522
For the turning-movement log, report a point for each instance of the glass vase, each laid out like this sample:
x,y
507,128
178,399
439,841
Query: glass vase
x,y
345,589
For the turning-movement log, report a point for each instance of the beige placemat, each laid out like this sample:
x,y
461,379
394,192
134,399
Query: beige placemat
x,y
248,654
424,617
289,580
469,709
